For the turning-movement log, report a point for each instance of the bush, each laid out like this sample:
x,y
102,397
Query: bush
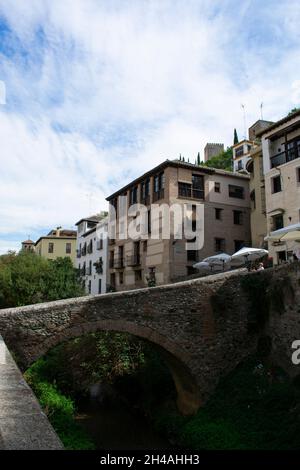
x,y
59,409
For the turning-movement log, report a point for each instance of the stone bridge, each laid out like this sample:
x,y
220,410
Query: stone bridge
x,y
203,327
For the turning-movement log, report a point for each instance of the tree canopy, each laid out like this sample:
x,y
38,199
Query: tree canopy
x,y
26,278
223,161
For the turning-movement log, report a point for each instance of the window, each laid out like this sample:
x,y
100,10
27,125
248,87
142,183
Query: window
x,y
113,280
149,220
68,248
184,189
276,184
238,217
194,190
145,246
218,213
99,286
298,174
133,195
236,191
111,259
90,286
252,199
217,187
281,256
121,277
219,244
191,255
138,275
51,248
198,186
159,185
240,165
90,268
277,221
238,244
239,151
145,189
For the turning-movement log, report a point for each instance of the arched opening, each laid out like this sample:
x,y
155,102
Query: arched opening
x,y
188,396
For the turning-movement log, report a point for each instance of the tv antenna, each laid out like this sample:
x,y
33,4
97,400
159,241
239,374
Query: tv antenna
x,y
244,113
261,111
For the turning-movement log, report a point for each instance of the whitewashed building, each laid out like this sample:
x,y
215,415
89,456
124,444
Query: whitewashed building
x,y
91,249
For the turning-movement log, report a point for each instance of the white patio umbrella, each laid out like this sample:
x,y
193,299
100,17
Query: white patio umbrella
x,y
218,260
291,236
277,235
249,254
202,266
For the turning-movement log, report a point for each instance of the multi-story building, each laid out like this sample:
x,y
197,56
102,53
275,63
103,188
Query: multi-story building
x,y
242,150
224,197
281,161
258,219
241,155
58,243
91,249
212,150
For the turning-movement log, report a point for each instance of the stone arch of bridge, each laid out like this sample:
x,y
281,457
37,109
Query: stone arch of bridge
x,y
177,360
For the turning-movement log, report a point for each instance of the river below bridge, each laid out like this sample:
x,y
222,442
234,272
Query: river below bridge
x,y
115,426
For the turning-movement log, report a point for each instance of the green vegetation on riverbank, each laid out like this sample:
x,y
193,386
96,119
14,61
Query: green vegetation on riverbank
x,y
254,407
59,408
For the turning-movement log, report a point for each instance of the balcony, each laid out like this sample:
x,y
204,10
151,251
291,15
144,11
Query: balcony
x,y
118,263
287,156
134,260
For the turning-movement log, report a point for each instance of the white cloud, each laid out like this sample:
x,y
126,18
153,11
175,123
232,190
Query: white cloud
x,y
110,89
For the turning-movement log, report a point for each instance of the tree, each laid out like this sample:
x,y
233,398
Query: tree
x,y
235,137
223,161
294,110
198,159
27,278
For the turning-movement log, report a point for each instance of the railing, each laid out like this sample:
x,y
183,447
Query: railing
x,y
191,193
134,260
284,157
118,263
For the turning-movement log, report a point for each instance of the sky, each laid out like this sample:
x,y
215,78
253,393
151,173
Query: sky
x,y
94,93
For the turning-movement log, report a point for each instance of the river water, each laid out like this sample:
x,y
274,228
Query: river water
x,y
114,426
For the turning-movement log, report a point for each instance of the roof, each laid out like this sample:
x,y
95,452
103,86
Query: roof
x,y
279,123
62,233
53,237
28,242
178,164
93,218
242,142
